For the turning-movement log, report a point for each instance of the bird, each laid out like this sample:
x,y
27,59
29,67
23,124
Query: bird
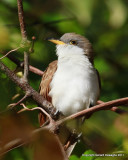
x,y
71,83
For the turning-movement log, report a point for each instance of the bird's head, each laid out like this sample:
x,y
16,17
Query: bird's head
x,y
72,43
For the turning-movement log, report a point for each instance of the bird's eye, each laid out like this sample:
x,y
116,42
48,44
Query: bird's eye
x,y
73,42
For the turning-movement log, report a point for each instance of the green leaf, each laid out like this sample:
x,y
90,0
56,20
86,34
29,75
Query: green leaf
x,y
73,157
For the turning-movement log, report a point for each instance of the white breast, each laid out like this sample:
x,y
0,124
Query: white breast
x,y
75,83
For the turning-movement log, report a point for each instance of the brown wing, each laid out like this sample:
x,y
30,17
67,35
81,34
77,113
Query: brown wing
x,y
45,86
46,80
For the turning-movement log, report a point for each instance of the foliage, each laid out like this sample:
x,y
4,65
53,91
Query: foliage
x,y
105,24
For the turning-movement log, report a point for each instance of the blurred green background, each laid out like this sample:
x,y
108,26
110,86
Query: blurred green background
x,y
105,24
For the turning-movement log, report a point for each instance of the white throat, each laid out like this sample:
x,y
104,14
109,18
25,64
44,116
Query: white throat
x,y
75,84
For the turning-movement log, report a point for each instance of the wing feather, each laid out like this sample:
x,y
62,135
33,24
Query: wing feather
x,y
46,80
45,87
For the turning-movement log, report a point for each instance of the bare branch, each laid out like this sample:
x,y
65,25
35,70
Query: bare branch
x,y
21,20
13,50
36,108
51,125
31,49
36,70
21,64
48,106
24,38
26,66
114,108
21,100
118,110
27,88
102,106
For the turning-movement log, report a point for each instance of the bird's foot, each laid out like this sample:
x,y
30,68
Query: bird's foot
x,y
56,114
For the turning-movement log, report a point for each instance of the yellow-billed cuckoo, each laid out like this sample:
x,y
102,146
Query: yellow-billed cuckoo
x,y
71,83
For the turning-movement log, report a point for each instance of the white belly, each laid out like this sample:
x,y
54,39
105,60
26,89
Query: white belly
x,y
74,86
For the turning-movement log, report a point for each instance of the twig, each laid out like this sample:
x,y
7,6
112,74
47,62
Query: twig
x,y
15,96
51,125
118,110
24,38
13,50
21,20
102,106
36,70
31,49
21,100
114,108
21,64
15,60
19,142
36,108
48,106
27,88
26,66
